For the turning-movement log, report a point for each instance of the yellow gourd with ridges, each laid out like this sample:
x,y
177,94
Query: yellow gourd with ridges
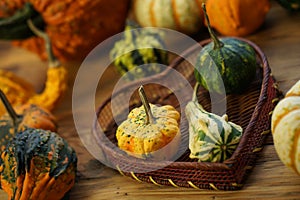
x,y
150,131
286,128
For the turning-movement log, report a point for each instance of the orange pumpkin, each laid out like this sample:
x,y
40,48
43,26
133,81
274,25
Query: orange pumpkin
x,y
75,27
237,17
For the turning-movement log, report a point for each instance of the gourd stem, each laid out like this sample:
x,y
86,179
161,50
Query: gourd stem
x,y
145,102
217,43
12,113
194,98
53,62
15,28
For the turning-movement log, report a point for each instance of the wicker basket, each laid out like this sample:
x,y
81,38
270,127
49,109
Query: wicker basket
x,y
251,110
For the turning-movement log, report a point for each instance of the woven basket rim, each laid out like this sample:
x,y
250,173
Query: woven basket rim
x,y
227,165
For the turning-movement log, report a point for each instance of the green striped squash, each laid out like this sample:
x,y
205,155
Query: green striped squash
x,y
137,54
226,62
211,138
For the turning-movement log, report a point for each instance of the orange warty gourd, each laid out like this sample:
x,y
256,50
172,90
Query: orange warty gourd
x,y
237,17
75,27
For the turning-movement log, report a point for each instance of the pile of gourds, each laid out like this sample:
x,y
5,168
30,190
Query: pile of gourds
x,y
152,132
74,27
35,162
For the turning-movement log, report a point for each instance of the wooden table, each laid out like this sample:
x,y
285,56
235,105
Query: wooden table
x,y
279,38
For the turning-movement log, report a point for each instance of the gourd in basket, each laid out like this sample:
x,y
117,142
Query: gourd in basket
x,y
19,91
211,138
75,27
286,128
225,64
150,131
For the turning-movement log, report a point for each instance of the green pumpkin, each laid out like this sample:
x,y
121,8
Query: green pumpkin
x,y
211,138
292,5
138,47
226,61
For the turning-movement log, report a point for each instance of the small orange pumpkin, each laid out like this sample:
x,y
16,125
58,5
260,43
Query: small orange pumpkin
x,y
237,17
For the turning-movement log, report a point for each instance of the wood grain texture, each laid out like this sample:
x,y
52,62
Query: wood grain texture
x,y
279,38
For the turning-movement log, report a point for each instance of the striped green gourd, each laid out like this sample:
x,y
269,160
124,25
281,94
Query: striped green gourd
x,y
139,46
211,138
233,59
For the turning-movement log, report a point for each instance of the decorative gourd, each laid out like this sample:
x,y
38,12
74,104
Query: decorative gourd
x,y
227,62
75,27
237,17
286,128
16,120
138,47
181,15
150,131
37,164
19,91
211,138
292,5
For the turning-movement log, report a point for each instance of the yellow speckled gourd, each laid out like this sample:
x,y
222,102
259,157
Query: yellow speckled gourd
x,y
19,91
150,131
286,128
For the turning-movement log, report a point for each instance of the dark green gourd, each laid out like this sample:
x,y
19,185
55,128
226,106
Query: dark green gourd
x,y
139,46
225,61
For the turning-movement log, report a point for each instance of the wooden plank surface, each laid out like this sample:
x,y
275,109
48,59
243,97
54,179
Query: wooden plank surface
x,y
279,38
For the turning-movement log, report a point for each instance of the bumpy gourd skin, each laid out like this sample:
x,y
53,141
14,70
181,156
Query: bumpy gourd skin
x,y
37,164
234,64
139,47
30,116
142,140
75,27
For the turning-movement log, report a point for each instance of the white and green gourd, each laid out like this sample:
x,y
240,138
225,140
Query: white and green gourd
x,y
139,53
285,127
212,138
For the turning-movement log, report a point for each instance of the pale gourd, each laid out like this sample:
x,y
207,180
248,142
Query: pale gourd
x,y
286,128
182,15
